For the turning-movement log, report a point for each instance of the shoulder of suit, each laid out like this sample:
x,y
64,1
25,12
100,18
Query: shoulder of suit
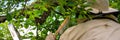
x,y
93,23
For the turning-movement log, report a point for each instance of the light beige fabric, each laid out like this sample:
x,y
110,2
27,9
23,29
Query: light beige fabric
x,y
97,11
50,37
101,5
102,29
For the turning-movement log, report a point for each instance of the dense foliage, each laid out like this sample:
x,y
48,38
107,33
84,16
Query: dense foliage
x,y
42,15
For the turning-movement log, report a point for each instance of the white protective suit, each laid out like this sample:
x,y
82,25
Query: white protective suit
x,y
101,5
98,29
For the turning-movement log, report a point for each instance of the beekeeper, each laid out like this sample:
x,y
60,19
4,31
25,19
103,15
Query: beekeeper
x,y
104,25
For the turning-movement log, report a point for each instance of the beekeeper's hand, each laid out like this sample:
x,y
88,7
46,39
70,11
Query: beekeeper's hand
x,y
50,36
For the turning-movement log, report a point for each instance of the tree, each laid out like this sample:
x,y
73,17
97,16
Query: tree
x,y
43,15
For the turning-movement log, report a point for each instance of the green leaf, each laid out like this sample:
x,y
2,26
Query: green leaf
x,y
62,2
57,9
9,17
31,33
0,10
71,3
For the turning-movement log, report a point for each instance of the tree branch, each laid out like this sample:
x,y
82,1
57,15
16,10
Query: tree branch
x,y
2,18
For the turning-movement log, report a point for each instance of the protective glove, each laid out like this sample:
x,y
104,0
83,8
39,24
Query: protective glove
x,y
50,36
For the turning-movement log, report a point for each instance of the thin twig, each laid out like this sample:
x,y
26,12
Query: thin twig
x,y
62,25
